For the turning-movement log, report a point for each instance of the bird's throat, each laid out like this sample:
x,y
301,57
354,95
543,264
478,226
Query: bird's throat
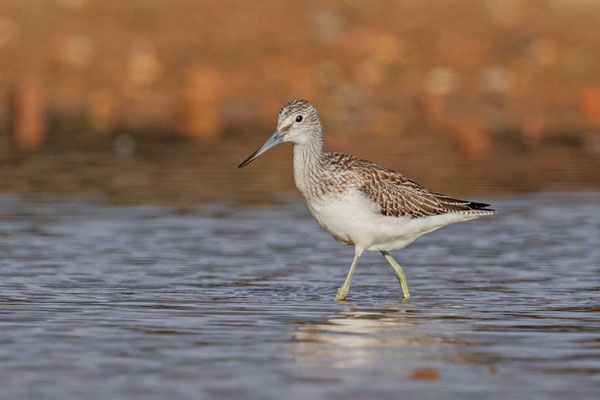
x,y
307,162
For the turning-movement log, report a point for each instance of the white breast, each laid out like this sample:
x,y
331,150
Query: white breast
x,y
354,219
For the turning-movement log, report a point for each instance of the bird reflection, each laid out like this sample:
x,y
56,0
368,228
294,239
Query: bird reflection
x,y
347,337
357,336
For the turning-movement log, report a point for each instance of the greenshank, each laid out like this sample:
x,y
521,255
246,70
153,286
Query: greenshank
x,y
358,202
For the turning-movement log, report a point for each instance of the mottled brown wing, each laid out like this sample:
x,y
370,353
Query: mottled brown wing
x,y
397,196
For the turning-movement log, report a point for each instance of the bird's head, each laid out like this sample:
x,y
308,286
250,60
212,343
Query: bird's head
x,y
298,122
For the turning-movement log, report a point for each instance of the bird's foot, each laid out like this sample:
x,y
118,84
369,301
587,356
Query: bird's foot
x,y
405,292
341,294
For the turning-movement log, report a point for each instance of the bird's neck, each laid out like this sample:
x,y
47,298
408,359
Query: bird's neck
x,y
307,164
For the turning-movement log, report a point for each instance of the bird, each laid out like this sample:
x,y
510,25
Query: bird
x,y
359,202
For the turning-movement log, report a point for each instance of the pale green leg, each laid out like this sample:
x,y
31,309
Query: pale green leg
x,y
343,291
398,272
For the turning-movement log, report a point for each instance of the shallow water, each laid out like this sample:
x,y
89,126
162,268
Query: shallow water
x,y
106,302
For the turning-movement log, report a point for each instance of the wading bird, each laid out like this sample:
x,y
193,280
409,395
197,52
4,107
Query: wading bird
x,y
357,201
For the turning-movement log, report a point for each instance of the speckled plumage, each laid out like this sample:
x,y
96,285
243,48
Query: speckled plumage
x,y
395,194
357,201
321,174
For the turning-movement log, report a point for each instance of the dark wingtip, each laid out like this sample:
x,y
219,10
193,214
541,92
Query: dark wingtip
x,y
479,206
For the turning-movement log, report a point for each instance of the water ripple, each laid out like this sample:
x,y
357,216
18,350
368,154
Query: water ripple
x,y
98,301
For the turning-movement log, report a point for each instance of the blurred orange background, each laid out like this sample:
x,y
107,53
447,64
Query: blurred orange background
x,y
150,100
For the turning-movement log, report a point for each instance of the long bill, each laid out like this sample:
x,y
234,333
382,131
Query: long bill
x,y
272,142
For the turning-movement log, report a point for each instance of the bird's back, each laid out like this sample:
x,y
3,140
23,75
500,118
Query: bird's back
x,y
394,194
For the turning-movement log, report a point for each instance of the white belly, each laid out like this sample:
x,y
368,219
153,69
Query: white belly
x,y
353,219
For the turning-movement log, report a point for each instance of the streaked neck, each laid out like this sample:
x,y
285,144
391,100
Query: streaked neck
x,y
307,162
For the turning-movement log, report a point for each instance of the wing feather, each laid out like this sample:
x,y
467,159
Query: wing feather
x,y
396,195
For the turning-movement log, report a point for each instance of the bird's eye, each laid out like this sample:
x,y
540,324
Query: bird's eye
x,y
299,118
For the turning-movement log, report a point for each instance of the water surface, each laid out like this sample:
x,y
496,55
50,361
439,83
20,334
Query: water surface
x,y
222,301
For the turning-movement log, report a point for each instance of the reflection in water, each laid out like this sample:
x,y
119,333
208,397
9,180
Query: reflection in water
x,y
350,336
102,302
